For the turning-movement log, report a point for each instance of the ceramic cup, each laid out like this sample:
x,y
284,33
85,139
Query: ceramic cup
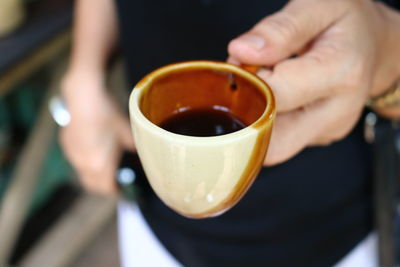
x,y
201,177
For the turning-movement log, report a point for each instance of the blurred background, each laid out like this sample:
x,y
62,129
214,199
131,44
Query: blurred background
x,y
45,218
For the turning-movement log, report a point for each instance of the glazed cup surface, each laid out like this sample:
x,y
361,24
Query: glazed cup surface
x,y
201,177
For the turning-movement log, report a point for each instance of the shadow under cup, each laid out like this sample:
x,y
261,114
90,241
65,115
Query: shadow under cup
x,y
201,177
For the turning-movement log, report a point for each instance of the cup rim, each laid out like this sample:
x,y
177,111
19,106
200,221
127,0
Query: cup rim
x,y
266,117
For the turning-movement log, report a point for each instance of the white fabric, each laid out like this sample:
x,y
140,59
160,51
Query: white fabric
x,y
365,254
139,247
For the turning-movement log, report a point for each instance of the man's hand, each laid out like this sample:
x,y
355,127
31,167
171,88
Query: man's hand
x,y
97,134
323,59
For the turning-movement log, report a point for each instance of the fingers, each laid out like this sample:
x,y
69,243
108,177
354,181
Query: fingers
x,y
300,81
296,81
103,184
320,123
98,175
320,62
95,165
93,142
125,133
318,73
291,134
286,32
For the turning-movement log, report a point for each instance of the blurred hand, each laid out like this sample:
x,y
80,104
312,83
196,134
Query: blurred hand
x,y
324,59
97,134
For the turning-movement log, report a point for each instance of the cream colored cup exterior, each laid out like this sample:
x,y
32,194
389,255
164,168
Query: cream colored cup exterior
x,y
199,176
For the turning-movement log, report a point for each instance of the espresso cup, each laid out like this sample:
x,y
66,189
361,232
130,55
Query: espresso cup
x,y
201,177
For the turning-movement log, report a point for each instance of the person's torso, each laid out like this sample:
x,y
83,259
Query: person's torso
x,y
309,211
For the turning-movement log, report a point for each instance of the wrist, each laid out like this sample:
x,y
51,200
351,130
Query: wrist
x,y
82,82
394,38
388,65
87,69
384,94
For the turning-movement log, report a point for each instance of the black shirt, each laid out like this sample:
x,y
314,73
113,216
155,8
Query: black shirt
x,y
310,211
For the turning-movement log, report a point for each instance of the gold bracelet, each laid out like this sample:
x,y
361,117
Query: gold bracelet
x,y
389,99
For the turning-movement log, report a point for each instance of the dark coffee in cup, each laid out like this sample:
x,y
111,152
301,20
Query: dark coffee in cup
x,y
203,122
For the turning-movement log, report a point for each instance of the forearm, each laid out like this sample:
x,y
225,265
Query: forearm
x,y
95,35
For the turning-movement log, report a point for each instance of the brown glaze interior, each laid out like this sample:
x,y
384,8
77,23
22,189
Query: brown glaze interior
x,y
194,88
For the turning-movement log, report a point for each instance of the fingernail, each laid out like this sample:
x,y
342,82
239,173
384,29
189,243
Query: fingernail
x,y
253,41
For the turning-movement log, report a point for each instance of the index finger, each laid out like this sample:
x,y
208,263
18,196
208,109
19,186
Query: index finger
x,y
299,81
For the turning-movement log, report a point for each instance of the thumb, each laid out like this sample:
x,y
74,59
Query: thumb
x,y
286,32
